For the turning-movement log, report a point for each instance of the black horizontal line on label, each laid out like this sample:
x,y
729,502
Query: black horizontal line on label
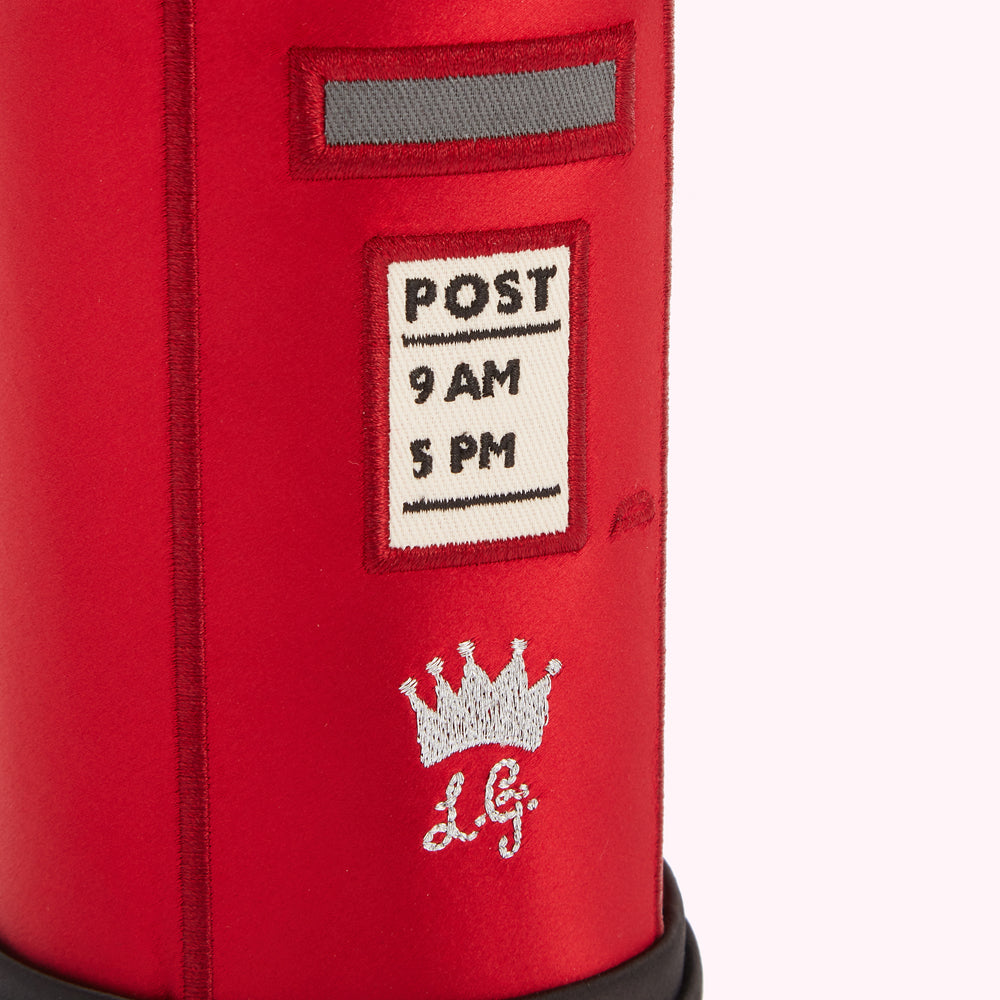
x,y
458,503
468,336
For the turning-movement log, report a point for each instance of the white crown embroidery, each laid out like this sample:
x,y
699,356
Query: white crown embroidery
x,y
507,711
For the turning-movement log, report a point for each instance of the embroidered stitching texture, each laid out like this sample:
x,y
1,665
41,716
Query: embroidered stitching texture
x,y
449,831
508,712
407,112
185,500
634,511
491,445
668,132
476,379
383,112
509,791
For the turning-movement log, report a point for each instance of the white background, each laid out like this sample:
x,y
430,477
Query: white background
x,y
833,546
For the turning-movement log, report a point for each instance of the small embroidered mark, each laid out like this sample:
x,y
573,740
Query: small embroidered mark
x,y
636,510
501,789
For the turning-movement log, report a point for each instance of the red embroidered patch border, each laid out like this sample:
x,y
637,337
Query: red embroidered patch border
x,y
312,158
379,253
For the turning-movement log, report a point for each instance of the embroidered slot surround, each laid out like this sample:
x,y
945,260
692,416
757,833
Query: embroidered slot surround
x,y
405,112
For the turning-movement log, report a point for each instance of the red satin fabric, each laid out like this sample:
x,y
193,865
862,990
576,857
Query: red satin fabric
x,y
319,885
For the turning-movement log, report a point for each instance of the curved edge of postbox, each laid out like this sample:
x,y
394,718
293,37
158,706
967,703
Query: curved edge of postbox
x,y
669,970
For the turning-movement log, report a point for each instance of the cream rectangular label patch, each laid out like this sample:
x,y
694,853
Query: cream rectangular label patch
x,y
477,357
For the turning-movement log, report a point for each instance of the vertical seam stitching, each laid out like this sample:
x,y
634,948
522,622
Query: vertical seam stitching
x,y
194,870
668,56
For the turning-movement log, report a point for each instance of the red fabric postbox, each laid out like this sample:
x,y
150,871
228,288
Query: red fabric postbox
x,y
332,442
